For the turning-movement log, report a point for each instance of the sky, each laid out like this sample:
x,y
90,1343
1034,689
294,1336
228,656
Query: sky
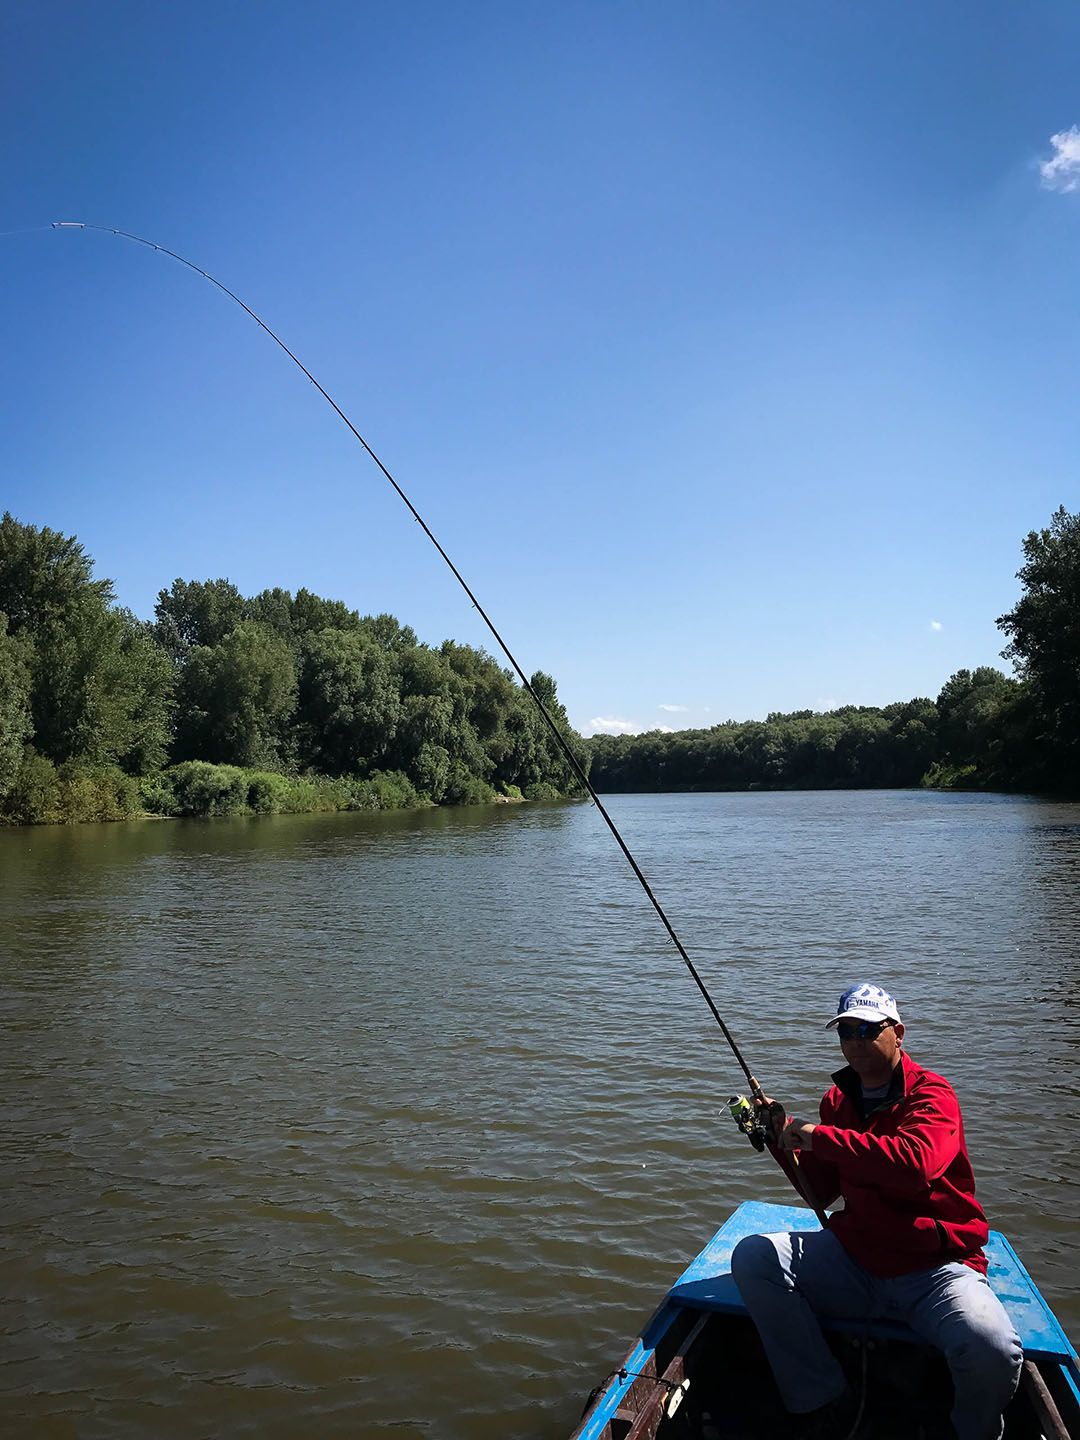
x,y
729,349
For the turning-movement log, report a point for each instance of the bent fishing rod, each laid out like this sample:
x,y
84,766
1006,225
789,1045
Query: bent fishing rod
x,y
768,1137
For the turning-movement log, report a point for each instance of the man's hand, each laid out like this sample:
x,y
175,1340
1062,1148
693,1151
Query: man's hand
x,y
798,1135
787,1133
772,1115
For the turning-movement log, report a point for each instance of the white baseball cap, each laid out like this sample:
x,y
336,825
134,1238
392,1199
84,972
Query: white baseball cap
x,y
865,1001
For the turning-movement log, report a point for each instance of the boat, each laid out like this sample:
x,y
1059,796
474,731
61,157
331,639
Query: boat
x,y
697,1370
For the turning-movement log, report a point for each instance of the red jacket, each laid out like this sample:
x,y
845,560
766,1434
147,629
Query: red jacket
x,y
904,1173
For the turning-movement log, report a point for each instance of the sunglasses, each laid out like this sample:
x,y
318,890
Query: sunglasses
x,y
862,1029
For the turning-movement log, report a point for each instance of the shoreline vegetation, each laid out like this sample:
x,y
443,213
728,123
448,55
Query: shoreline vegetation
x,y
76,794
225,704
984,731
282,703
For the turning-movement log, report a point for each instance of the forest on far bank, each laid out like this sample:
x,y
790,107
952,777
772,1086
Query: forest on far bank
x,y
227,704
984,730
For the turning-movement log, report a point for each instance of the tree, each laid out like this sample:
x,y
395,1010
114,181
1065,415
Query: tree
x,y
437,742
274,608
914,727
236,698
548,754
273,681
1044,643
349,709
143,698
389,633
97,688
16,725
853,746
430,770
197,612
970,707
311,613
42,575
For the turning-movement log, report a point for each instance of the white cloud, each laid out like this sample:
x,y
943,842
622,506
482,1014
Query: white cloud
x,y
1062,173
665,730
610,725
936,625
674,709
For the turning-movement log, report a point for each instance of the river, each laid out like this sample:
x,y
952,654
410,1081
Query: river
x,y
398,1125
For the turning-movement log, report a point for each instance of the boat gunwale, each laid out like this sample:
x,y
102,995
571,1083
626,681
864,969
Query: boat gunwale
x,y
595,1423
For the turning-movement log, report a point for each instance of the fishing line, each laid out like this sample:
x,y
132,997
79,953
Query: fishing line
x,y
560,739
27,230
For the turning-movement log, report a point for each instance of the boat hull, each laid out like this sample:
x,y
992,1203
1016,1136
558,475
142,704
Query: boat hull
x,y
697,1369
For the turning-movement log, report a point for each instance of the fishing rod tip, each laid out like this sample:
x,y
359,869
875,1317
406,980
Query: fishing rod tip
x,y
68,225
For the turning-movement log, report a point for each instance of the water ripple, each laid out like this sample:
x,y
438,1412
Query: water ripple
x,y
399,1125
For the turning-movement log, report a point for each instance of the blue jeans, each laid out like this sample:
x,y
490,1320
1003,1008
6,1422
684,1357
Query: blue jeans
x,y
787,1281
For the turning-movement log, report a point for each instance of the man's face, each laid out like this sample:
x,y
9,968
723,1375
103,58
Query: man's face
x,y
877,1053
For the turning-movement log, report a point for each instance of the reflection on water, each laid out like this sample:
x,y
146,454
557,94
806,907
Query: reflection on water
x,y
402,1123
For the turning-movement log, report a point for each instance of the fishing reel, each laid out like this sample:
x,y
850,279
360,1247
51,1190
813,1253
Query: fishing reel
x,y
761,1124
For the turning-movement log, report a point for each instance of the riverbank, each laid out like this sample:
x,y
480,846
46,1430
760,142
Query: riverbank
x,y
75,794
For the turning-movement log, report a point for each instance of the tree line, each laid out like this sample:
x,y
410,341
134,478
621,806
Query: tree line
x,y
231,704
984,730
226,703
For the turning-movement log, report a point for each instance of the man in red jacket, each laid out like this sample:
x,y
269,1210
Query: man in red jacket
x,y
906,1246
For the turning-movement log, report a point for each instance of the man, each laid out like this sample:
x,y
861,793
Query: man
x,y
906,1246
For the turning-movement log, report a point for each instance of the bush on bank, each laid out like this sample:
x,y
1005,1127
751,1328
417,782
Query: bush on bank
x,y
47,794
44,793
197,788
541,791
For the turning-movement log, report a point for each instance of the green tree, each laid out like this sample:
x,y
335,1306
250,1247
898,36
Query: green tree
x,y
388,633
274,608
143,700
91,697
971,707
430,770
1044,644
349,709
852,746
196,612
98,691
102,690
43,574
235,699
489,688
547,762
51,600
311,613
914,727
16,725
436,723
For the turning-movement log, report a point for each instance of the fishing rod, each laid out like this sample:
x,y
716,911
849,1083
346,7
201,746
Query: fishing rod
x,y
766,1134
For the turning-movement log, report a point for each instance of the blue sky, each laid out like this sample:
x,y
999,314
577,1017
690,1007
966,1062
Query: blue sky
x,y
730,349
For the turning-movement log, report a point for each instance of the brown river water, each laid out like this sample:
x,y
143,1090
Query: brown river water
x,y
398,1126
